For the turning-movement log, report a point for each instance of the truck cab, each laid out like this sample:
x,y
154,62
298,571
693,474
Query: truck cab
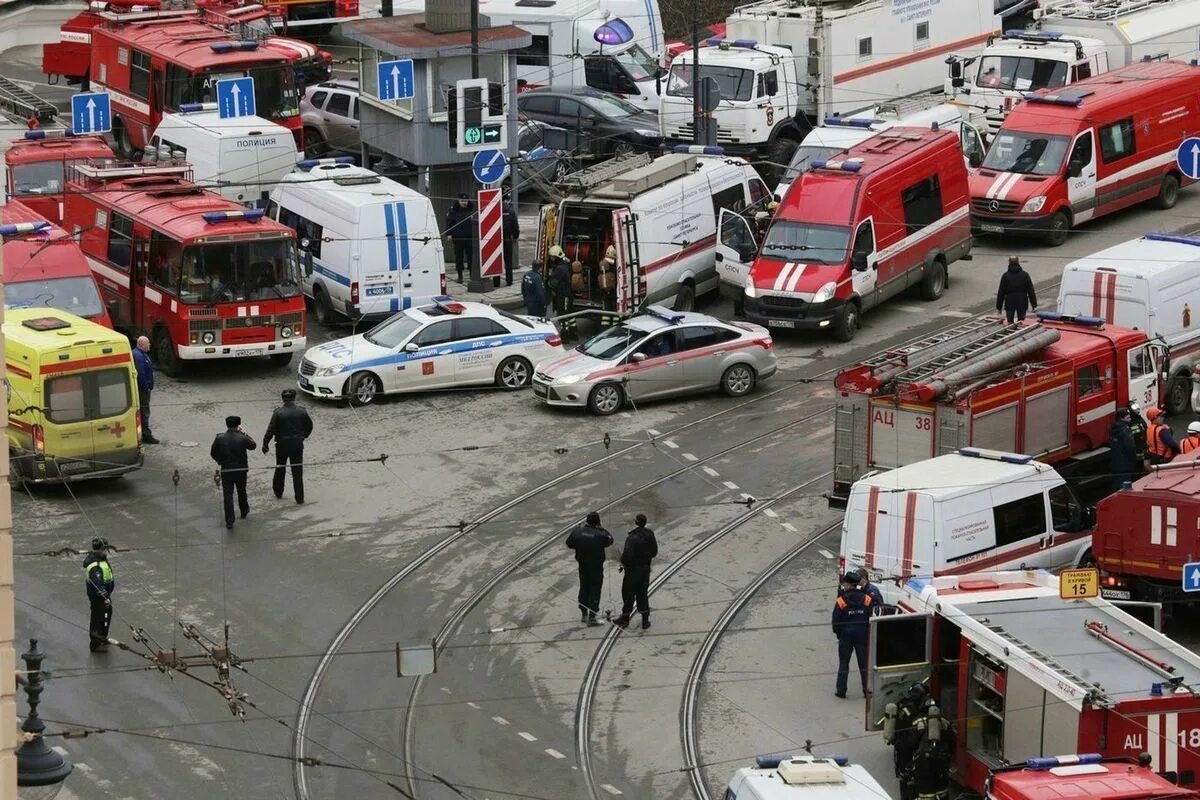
x,y
803,778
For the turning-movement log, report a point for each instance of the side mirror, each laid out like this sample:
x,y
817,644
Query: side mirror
x,y
1074,169
974,159
956,73
113,308
411,347
638,358
308,263
746,253
858,260
1089,517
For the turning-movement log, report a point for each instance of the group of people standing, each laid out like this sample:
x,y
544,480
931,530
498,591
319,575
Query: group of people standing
x,y
462,227
591,541
1135,442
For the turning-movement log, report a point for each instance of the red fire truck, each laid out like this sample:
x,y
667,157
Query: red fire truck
x,y
1047,388
1088,775
36,167
202,276
319,14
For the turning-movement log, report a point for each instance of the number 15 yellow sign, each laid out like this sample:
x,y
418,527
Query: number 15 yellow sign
x,y
1077,584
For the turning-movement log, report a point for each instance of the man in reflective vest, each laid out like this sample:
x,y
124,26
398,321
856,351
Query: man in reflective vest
x,y
100,585
1192,440
1160,442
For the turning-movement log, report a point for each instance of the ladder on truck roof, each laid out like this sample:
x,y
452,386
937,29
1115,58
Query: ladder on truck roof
x,y
605,171
986,344
938,346
1097,692
23,103
1097,9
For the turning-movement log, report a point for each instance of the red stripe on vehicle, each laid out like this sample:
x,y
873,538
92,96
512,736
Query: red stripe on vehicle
x,y
86,363
910,534
14,369
1097,291
19,424
979,565
666,261
912,58
872,514
1110,307
658,361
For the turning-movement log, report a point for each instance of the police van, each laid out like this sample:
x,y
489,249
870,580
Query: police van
x,y
370,246
804,778
241,158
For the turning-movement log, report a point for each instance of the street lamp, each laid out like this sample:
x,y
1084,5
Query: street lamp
x,y
40,770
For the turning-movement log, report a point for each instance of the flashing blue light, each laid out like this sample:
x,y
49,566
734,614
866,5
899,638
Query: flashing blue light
x,y
35,134
1051,762
229,47
1053,99
747,43
768,762
1009,458
309,163
615,31
187,108
42,134
714,41
699,150
22,228
843,122
1047,35
1177,238
1077,319
249,214
841,761
665,315
845,166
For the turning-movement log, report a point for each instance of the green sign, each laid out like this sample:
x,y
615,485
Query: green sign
x,y
491,133
472,135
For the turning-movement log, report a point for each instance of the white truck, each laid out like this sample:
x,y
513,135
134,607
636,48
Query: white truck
x,y
1070,40
804,778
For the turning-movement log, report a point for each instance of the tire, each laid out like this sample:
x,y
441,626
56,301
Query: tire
x,y
165,354
620,148
739,380
124,143
846,324
1087,559
322,307
513,373
364,387
281,360
1178,398
1168,193
779,152
606,399
685,298
933,285
1059,228
314,143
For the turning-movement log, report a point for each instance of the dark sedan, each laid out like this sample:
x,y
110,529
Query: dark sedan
x,y
605,123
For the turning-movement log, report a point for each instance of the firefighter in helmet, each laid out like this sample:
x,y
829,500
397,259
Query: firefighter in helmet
x,y
927,775
1190,442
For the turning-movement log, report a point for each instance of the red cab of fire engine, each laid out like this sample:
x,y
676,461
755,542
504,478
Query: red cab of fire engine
x,y
36,167
202,276
887,215
1094,147
1088,775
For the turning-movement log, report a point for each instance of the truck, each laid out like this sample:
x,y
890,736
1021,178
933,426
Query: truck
x,y
1069,41
1088,775
1048,388
804,778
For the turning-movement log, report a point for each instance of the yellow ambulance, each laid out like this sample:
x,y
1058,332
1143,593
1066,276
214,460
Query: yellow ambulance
x,y
72,398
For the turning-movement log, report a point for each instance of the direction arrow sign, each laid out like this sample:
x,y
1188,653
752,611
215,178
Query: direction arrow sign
x,y
1191,577
1188,157
395,79
235,98
489,166
91,113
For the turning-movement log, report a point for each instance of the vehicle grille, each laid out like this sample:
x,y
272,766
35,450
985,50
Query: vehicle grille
x,y
543,377
248,322
986,206
724,135
201,312
778,301
201,325
308,368
292,318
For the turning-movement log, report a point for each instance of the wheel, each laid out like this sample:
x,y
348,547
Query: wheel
x,y
314,143
1168,193
846,324
738,380
165,354
779,154
685,298
1059,227
322,307
1179,395
933,285
364,388
124,143
620,148
1087,559
514,372
606,399
281,359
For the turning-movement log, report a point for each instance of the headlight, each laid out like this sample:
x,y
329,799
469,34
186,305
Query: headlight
x,y
1034,204
208,337
750,290
285,332
325,372
570,379
648,133
825,293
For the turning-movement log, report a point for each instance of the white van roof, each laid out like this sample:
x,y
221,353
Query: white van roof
x,y
356,187
1153,254
955,474
661,172
210,120
807,778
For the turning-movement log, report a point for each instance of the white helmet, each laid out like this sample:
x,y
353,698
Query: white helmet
x,y
1194,426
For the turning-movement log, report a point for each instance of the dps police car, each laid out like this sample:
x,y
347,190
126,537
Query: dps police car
x,y
441,346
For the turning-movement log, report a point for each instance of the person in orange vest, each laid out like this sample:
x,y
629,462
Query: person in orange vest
x,y
1160,442
1192,440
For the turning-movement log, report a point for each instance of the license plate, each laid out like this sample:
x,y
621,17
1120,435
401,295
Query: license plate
x,y
540,391
304,384
375,291
253,351
1115,594
780,323
74,466
992,228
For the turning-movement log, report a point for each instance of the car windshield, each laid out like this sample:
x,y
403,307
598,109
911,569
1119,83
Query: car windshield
x,y
610,106
735,83
1026,153
1021,73
44,177
77,295
612,342
223,272
800,241
393,331
638,63
802,160
275,95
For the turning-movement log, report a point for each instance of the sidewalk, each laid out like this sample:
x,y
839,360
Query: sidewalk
x,y
507,298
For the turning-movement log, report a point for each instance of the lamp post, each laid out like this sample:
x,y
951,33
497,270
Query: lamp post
x,y
40,770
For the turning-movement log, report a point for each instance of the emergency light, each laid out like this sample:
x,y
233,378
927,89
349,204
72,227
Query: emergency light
x,y
1063,761
448,305
714,41
1047,35
248,214
664,314
229,47
1078,319
40,134
191,108
1054,99
994,455
699,150
1177,238
836,121
849,165
309,163
22,228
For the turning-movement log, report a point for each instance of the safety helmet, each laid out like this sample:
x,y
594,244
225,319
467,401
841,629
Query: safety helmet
x,y
611,252
1153,413
557,252
1194,426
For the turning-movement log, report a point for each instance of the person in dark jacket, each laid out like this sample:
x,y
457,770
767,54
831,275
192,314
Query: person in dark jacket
x,y
533,291
460,227
559,276
511,227
1121,451
1015,295
589,542
290,425
100,586
640,549
145,381
230,449
851,626
870,589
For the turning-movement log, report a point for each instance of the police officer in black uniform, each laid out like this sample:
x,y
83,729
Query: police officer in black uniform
x,y
100,586
290,425
230,449
640,548
589,542
851,625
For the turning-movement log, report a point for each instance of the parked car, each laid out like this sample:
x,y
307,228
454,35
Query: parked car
x,y
538,162
329,114
611,124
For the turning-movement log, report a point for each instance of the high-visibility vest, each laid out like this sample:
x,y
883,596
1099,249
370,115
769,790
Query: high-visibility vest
x,y
1190,443
106,575
1154,441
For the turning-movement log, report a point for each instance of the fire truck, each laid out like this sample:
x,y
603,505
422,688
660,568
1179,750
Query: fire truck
x,y
1047,388
1026,674
319,15
1087,775
202,276
36,167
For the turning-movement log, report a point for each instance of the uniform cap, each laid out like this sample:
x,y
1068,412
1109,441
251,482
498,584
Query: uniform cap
x,y
233,422
288,394
850,577
463,196
1153,413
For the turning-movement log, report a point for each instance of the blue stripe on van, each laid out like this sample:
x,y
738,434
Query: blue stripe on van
x,y
407,302
402,230
390,224
394,304
321,269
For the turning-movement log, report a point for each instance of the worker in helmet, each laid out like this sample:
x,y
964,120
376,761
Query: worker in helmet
x,y
1123,457
559,271
1160,442
1190,442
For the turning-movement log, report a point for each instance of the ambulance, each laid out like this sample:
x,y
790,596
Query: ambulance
x,y
804,778
370,246
72,398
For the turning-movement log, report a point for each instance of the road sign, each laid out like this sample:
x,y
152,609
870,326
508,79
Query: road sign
x,y
235,98
1191,577
91,113
479,118
396,79
1076,584
489,166
491,239
1188,157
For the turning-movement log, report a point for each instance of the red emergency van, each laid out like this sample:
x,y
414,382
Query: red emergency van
x,y
36,167
888,214
1094,147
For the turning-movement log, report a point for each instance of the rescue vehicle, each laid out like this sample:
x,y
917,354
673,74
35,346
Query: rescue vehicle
x,y
317,16
660,217
1048,388
1095,147
369,246
202,276
1027,674
804,778
36,167
1088,775
72,398
889,214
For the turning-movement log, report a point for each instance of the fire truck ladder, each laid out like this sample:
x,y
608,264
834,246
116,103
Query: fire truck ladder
x,y
992,341
25,104
1100,631
605,171
1094,689
944,344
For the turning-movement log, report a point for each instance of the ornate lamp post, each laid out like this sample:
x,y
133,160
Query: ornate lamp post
x,y
40,770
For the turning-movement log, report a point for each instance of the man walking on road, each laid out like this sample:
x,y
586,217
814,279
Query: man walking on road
x,y
230,449
640,548
589,542
851,626
290,425
145,381
100,586
1015,295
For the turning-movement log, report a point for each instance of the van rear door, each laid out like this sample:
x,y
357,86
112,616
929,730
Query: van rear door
x,y
631,283
68,428
112,401
888,531
419,254
900,654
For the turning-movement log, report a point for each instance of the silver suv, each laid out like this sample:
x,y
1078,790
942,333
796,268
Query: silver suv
x,y
329,113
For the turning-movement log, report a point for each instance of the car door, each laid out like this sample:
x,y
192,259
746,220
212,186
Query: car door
x,y
430,363
736,246
654,367
479,349
702,355
543,107
865,276
340,120
1081,178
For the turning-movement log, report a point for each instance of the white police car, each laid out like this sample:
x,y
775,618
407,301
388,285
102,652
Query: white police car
x,y
441,346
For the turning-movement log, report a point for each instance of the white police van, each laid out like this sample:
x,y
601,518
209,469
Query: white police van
x,y
370,246
804,778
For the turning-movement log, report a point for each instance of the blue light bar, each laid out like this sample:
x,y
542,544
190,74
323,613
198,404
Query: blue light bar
x,y
846,122
22,228
249,214
699,150
191,108
41,134
747,43
1053,99
1047,35
309,163
665,315
852,165
1078,319
841,761
1177,238
229,47
714,41
1008,458
1063,761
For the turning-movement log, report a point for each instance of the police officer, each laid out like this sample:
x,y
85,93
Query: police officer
x,y
1160,442
589,542
1190,442
100,586
640,548
230,449
290,425
533,291
460,227
1122,453
851,626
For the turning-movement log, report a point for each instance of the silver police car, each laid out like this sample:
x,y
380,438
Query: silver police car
x,y
657,353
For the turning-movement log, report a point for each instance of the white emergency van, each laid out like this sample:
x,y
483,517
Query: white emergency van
x,y
804,778
241,158
370,246
963,512
1149,284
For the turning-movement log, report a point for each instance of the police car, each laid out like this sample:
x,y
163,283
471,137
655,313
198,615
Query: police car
x,y
441,346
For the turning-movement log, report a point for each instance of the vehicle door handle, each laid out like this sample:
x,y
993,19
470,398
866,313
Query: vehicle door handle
x,y
719,353
720,257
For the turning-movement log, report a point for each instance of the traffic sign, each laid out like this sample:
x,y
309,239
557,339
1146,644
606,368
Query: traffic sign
x,y
491,238
479,117
1077,584
489,166
235,98
396,79
1191,576
1188,157
91,113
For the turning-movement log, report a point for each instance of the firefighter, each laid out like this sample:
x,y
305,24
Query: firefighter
x,y
533,291
640,548
928,774
900,729
851,625
290,425
100,586
1192,440
1160,442
1123,457
229,449
559,270
589,542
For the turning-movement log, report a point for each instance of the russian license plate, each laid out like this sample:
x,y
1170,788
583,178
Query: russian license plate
x,y
376,291
1115,594
251,351
780,323
992,228
74,466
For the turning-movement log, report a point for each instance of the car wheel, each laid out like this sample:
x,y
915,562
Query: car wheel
x,y
846,324
606,399
281,360
314,143
685,298
1060,226
1168,193
622,148
933,285
514,372
1179,395
165,354
322,307
1087,560
738,380
364,388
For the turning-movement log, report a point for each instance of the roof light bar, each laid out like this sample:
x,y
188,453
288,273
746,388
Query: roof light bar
x,y
749,44
1077,319
1063,761
449,305
248,214
994,455
229,47
848,122
43,134
1047,35
665,314
699,150
714,41
191,108
309,163
1053,99
23,228
849,165
1177,238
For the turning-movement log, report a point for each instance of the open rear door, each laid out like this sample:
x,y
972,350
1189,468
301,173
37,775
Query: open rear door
x,y
631,283
900,655
547,224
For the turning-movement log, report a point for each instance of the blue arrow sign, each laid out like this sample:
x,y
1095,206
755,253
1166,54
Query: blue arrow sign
x,y
1191,577
489,166
235,98
395,79
1188,157
91,113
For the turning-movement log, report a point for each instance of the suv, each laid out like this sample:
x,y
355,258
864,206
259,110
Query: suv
x,y
329,113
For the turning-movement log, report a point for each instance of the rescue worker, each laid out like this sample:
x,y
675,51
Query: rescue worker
x,y
1160,442
230,449
560,288
145,382
533,292
904,736
460,222
589,542
511,230
870,589
1015,295
290,425
1137,425
1121,451
640,548
851,626
100,586
927,776
1190,442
